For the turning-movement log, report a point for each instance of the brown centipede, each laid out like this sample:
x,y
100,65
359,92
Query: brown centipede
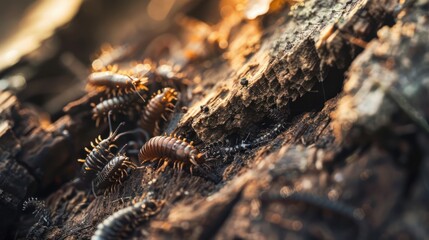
x,y
121,224
157,109
114,173
172,149
117,104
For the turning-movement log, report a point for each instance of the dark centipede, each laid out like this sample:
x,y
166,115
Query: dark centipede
x,y
255,143
157,109
174,150
99,156
122,223
114,173
40,210
116,104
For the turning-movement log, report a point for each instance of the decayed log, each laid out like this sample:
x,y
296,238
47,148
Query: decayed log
x,y
352,166
36,155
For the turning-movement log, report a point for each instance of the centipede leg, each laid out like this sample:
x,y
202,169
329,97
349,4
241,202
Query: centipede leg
x,y
110,121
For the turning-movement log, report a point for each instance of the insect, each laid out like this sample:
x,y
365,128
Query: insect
x,y
120,103
158,108
40,209
113,173
100,154
176,150
121,224
115,82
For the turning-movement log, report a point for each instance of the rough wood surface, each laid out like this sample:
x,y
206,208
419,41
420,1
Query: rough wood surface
x,y
350,163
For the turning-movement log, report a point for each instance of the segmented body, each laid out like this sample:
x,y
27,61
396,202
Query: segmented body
x,y
157,110
99,156
179,153
169,148
113,173
40,209
255,143
116,83
117,104
122,223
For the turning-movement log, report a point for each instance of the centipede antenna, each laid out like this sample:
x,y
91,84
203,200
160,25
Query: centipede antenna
x,y
137,130
245,140
135,88
110,121
122,149
93,189
115,133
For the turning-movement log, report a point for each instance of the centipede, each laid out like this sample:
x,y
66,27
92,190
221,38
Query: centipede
x,y
176,151
157,110
40,210
116,83
122,223
100,154
243,146
125,103
113,174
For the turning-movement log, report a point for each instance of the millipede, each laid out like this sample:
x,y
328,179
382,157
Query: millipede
x,y
114,173
117,104
122,223
158,109
173,149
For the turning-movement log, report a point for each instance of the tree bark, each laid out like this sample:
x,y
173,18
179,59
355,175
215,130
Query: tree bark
x,y
350,162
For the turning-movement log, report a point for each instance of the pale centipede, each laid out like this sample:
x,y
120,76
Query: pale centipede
x,y
115,82
157,109
122,223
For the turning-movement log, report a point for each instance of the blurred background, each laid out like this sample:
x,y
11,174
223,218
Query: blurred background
x,y
49,46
